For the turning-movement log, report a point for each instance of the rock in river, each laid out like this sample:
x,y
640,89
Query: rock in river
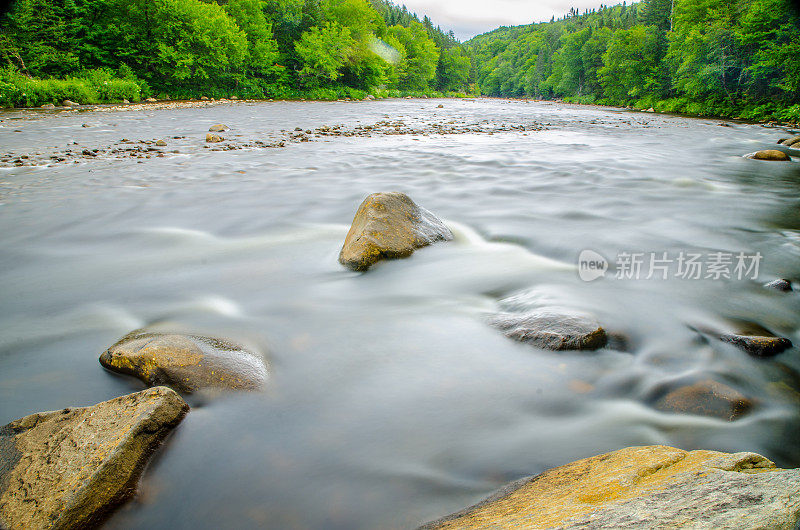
x,y
645,487
552,330
186,363
389,226
770,154
782,285
69,468
758,346
218,128
705,397
790,141
212,138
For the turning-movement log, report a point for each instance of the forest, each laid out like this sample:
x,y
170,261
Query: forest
x,y
727,58
109,50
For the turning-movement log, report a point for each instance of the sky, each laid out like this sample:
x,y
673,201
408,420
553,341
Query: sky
x,y
468,18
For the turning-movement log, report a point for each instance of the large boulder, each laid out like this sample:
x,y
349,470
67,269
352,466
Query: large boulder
x,y
389,226
645,487
704,397
69,468
770,154
552,329
186,363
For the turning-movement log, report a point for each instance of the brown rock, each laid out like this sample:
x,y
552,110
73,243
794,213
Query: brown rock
x,y
70,468
770,154
758,346
186,363
791,141
218,128
389,226
161,143
213,138
704,398
644,487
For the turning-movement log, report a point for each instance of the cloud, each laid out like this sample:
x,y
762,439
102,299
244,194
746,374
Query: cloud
x,y
468,18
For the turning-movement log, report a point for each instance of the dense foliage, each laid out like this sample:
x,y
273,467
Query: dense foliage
x,y
249,48
737,58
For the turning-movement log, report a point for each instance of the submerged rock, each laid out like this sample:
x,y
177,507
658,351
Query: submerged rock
x,y
218,128
702,398
750,337
69,468
186,363
782,285
770,154
389,226
645,487
552,330
161,143
213,138
758,346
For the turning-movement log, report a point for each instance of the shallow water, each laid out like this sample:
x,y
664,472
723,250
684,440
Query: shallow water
x,y
390,401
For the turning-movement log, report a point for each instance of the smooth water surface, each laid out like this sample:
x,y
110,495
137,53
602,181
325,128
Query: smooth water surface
x,y
390,401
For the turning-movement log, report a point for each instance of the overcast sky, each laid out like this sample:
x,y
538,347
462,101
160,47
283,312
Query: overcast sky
x,y
468,18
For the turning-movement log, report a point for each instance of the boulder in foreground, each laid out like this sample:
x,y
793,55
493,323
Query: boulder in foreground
x,y
186,363
69,468
552,330
389,226
645,487
770,154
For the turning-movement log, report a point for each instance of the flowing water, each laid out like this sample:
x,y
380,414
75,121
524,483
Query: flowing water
x,y
390,400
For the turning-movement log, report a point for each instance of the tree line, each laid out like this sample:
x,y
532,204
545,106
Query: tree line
x,y
735,58
249,48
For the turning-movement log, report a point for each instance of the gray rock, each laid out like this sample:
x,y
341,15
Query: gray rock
x,y
389,226
186,363
782,285
68,103
791,141
48,106
70,468
552,329
645,487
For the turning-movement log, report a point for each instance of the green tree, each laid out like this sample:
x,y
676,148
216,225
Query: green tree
x,y
417,69
324,51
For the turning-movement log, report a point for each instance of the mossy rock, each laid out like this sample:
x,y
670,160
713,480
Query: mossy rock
x,y
70,468
389,226
644,487
186,363
770,154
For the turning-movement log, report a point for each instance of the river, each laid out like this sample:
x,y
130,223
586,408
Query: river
x,y
390,401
